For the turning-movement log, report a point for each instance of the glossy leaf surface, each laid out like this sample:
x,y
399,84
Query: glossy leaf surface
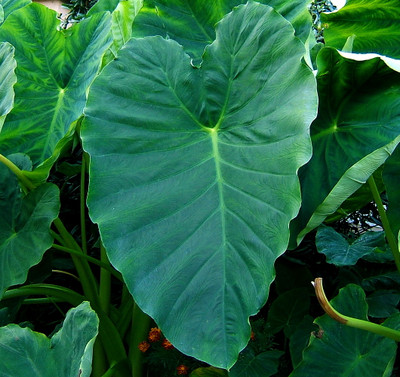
x,y
54,69
192,23
356,353
357,128
374,24
340,252
24,227
67,354
196,182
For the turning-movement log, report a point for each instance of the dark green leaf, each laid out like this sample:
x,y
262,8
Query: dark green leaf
x,y
262,365
196,182
383,303
357,128
340,252
287,310
340,350
24,227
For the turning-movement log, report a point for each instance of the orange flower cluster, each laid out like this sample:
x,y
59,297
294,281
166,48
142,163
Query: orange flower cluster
x,y
144,346
167,344
154,335
182,369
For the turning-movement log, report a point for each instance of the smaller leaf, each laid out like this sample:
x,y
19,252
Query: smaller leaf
x,y
24,226
68,353
262,365
300,338
383,303
287,310
387,280
345,351
340,252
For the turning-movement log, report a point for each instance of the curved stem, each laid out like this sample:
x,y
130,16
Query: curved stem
x,y
56,291
350,321
385,222
90,259
18,172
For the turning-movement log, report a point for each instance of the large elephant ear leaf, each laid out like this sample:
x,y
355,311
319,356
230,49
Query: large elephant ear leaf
x,y
54,70
353,350
193,174
67,354
24,225
373,25
192,23
357,128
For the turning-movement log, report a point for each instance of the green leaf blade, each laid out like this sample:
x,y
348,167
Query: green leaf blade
x,y
200,175
373,24
356,352
68,353
54,71
356,130
25,227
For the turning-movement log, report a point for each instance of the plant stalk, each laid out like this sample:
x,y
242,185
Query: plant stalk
x,y
139,330
28,185
385,222
105,282
350,321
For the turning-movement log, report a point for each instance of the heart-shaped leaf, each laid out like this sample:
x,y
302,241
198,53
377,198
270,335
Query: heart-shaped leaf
x,y
54,70
192,23
340,252
67,354
193,174
374,25
24,227
357,128
356,353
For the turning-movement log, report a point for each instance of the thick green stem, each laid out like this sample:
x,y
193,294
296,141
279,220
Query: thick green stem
x,y
85,274
83,203
90,259
350,321
385,222
105,282
58,292
18,172
139,330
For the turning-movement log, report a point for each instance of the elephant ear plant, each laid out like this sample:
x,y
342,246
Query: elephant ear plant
x,y
203,146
